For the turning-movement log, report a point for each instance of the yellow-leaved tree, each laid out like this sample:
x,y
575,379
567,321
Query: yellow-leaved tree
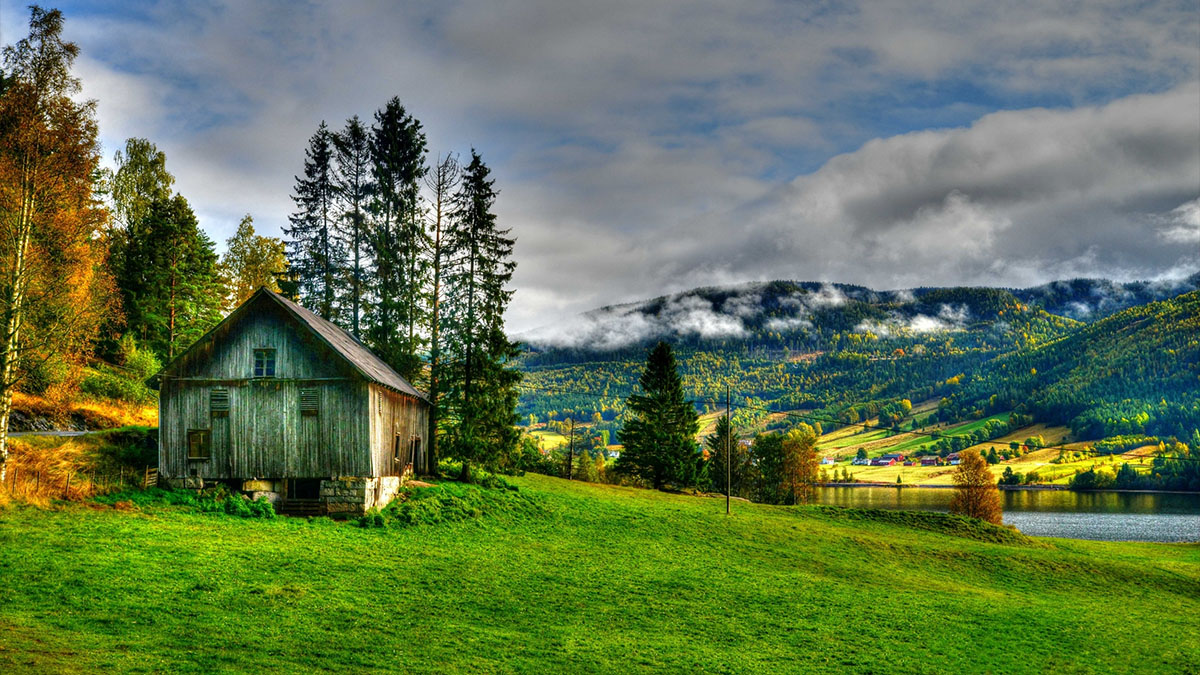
x,y
975,492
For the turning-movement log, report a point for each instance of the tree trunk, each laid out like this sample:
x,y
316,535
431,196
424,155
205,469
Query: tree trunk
x,y
14,302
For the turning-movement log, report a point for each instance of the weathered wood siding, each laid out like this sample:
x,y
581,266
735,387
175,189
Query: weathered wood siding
x,y
392,415
265,435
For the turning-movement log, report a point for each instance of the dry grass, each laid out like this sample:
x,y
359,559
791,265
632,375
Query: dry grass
x,y
93,414
46,468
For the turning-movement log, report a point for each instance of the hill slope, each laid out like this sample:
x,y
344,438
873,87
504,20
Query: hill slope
x,y
607,580
844,352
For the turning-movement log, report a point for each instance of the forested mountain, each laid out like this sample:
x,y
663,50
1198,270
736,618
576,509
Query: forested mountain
x,y
848,352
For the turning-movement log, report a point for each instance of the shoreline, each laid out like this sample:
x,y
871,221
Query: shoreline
x,y
1032,488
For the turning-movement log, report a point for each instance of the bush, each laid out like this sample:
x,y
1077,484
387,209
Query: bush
x,y
135,447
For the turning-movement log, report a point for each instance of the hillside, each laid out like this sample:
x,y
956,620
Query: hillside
x,y
845,353
1137,371
593,579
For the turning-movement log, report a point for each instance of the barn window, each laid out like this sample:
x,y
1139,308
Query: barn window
x,y
309,402
264,363
218,402
397,446
198,444
414,448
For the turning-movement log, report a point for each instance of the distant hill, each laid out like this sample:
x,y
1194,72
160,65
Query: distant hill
x,y
1137,371
846,352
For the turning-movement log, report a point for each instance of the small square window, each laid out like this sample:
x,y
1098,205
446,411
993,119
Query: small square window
x,y
198,444
264,363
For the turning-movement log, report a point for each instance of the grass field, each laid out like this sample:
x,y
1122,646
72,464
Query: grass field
x,y
596,579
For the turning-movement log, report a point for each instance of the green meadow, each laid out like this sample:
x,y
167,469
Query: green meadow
x,y
569,577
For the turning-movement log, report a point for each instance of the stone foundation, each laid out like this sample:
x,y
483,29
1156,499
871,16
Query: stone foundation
x,y
352,495
186,483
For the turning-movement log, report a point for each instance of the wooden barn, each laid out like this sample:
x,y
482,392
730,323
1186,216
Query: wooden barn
x,y
276,401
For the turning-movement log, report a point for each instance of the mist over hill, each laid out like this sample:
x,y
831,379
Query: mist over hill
x,y
803,310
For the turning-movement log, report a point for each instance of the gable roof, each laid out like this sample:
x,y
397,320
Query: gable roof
x,y
355,353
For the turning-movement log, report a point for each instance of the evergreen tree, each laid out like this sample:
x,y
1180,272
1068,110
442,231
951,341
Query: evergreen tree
x,y
398,242
172,282
717,444
481,384
354,188
315,255
660,434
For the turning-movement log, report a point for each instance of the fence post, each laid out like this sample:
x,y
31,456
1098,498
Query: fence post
x,y
67,487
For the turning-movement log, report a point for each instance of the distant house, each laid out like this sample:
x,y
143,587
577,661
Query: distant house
x,y
277,402
883,461
931,461
952,458
829,460
899,457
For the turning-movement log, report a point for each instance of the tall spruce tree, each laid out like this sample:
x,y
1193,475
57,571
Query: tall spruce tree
x,y
354,189
395,316
660,434
315,254
172,281
481,392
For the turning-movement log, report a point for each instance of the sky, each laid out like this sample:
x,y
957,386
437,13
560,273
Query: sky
x,y
643,148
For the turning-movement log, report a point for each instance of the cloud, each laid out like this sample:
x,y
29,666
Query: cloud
x,y
1182,224
617,327
949,318
647,148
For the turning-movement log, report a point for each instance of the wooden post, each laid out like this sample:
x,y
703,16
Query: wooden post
x,y
67,487
728,445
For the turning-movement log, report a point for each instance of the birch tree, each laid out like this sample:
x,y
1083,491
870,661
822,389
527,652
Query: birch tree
x,y
53,286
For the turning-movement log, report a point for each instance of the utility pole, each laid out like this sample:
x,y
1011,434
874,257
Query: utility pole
x,y
728,445
571,461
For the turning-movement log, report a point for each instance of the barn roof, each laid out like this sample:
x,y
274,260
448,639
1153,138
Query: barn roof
x,y
355,353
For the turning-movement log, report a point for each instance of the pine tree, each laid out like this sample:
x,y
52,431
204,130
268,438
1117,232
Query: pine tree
x,y
481,384
398,240
660,435
172,279
717,444
354,188
315,255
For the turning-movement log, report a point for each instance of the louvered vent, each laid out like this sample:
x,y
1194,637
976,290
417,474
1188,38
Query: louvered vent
x,y
308,402
218,402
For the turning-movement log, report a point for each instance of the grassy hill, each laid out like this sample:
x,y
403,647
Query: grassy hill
x,y
585,578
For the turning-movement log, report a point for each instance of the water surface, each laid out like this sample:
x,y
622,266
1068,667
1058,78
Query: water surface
x,y
1107,516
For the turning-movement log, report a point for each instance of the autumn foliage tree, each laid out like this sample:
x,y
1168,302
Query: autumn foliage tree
x,y
801,466
975,492
53,288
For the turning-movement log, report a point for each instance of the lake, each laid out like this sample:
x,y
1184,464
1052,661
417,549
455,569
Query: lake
x,y
1107,516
